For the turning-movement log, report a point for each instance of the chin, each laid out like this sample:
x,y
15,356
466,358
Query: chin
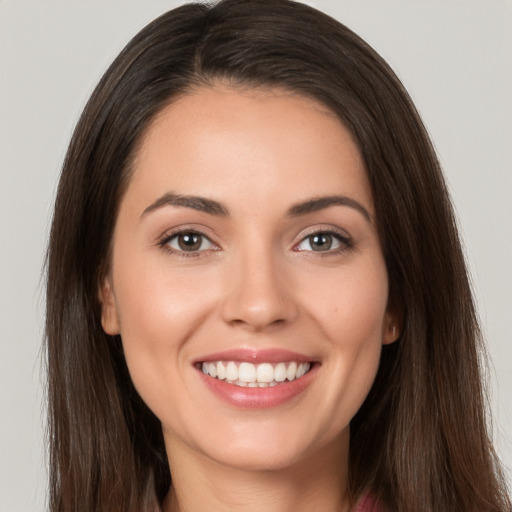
x,y
274,449
251,458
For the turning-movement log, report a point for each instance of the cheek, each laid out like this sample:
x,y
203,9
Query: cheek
x,y
352,315
352,308
157,300
158,313
356,326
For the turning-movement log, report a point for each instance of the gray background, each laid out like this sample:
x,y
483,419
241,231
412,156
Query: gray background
x,y
454,56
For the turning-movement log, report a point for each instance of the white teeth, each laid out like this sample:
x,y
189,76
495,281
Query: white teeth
x,y
265,372
246,372
280,372
263,375
232,371
221,370
212,369
291,371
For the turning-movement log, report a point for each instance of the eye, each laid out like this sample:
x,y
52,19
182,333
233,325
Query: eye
x,y
188,241
323,241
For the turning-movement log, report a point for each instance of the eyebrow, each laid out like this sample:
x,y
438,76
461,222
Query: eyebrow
x,y
202,204
320,203
213,207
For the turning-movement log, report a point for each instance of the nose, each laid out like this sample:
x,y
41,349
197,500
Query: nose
x,y
258,294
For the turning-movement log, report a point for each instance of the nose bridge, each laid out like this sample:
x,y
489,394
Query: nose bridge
x,y
257,290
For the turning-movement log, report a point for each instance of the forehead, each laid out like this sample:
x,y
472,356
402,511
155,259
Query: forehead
x,y
222,140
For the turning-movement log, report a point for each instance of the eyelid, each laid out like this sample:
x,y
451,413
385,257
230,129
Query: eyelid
x,y
164,239
340,234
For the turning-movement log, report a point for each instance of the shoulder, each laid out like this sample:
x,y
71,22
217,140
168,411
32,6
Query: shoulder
x,y
367,504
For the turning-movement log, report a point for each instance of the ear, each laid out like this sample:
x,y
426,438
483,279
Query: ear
x,y
109,316
392,328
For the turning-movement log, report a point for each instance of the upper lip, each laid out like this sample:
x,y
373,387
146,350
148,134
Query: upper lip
x,y
271,355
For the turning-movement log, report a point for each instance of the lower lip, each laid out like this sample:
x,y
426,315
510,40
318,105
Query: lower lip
x,y
259,398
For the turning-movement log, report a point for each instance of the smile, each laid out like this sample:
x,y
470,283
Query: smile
x,y
245,374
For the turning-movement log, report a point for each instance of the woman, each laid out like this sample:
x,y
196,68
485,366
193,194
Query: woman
x,y
256,293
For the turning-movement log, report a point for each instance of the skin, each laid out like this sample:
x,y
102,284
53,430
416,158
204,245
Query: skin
x,y
254,283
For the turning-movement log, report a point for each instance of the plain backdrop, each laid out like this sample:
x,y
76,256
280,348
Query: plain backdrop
x,y
455,58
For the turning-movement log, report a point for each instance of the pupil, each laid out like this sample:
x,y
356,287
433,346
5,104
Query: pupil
x,y
189,241
320,242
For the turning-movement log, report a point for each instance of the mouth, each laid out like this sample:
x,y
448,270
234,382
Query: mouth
x,y
250,375
258,379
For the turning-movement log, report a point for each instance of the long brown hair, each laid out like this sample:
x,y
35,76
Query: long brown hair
x,y
420,440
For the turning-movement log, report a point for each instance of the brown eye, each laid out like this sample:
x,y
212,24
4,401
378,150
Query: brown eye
x,y
324,241
189,241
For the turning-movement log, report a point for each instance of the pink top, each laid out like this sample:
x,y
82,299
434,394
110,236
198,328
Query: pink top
x,y
367,504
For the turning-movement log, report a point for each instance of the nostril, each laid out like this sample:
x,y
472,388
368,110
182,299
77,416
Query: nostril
x,y
257,293
258,316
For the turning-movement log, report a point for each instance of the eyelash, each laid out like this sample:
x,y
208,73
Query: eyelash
x,y
165,240
346,243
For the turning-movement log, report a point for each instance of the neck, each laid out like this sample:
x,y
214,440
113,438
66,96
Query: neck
x,y
317,482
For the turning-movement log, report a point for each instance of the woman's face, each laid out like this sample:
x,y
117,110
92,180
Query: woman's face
x,y
246,247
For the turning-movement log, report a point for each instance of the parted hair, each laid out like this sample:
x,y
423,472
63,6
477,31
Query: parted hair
x,y
420,441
